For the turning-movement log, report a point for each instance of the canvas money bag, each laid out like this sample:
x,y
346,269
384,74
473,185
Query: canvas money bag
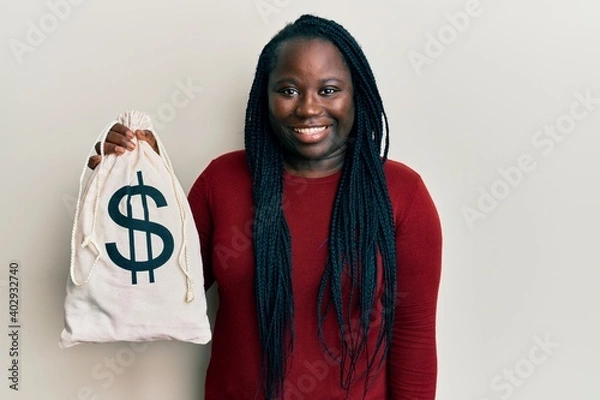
x,y
136,271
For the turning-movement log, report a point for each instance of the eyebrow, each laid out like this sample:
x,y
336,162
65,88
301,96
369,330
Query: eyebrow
x,y
324,81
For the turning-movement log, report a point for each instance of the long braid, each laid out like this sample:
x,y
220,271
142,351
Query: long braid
x,y
361,235
272,246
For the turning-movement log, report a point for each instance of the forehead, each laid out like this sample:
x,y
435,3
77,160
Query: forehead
x,y
309,56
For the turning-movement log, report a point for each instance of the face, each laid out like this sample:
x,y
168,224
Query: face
x,y
311,106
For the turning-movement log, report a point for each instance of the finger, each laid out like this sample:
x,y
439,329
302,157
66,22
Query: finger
x,y
111,148
117,140
123,130
147,136
93,161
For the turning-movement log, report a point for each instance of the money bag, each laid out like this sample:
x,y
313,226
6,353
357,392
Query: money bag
x,y
136,269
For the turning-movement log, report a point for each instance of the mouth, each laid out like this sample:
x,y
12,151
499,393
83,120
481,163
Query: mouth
x,y
312,130
310,134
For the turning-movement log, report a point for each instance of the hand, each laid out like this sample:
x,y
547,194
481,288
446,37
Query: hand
x,y
119,140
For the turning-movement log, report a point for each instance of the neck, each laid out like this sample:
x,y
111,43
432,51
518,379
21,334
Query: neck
x,y
313,168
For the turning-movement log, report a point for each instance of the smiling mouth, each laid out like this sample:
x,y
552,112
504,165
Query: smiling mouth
x,y
311,131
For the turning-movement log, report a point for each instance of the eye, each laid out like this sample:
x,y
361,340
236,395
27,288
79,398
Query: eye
x,y
289,91
328,91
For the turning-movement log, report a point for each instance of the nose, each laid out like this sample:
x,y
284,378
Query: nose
x,y
308,105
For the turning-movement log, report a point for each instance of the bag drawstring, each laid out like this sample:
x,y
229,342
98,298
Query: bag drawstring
x,y
184,259
88,239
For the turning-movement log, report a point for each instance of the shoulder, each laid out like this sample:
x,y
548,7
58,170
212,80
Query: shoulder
x,y
405,187
233,162
229,167
224,174
400,178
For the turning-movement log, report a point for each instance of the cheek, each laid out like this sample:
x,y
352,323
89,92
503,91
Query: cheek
x,y
278,109
271,109
347,113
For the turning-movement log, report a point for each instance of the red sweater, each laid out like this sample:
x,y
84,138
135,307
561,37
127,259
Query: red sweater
x,y
221,201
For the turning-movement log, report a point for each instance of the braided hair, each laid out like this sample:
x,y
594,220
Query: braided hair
x,y
361,234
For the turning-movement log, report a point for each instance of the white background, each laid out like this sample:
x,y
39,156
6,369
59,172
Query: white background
x,y
524,270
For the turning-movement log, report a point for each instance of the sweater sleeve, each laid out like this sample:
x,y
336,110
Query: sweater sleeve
x,y
199,199
412,364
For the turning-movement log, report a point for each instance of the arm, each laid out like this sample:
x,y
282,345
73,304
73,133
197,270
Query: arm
x,y
199,200
412,364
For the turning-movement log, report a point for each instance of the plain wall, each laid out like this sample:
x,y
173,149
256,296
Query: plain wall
x,y
492,112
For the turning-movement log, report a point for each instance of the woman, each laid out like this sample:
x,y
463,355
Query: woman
x,y
326,254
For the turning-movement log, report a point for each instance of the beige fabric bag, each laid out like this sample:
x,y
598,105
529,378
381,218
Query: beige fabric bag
x,y
136,270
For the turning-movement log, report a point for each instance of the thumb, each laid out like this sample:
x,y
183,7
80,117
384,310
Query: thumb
x,y
93,161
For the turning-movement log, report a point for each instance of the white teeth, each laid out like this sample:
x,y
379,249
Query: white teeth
x,y
310,131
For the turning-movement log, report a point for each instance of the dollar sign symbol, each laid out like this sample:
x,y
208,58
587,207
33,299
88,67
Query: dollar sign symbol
x,y
145,225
